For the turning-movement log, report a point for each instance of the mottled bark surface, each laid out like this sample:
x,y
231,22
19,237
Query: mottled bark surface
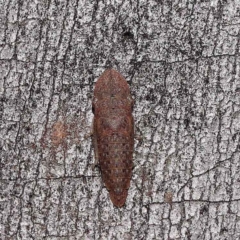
x,y
181,59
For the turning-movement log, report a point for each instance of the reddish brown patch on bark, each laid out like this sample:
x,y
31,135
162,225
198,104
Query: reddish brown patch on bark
x,y
113,130
168,197
59,134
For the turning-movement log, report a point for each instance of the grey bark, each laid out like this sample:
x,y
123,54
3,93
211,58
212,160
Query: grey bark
x,y
181,60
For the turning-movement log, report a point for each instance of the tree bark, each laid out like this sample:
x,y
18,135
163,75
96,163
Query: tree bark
x,y
181,60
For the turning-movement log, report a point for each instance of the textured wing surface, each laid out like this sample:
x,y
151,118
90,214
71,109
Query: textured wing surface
x,y
114,133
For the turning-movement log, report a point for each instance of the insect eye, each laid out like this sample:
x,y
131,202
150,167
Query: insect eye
x,y
133,101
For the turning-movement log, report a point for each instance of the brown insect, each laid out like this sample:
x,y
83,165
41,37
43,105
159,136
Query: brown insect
x,y
113,133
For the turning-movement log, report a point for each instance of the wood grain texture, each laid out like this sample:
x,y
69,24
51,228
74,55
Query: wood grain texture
x,y
113,132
